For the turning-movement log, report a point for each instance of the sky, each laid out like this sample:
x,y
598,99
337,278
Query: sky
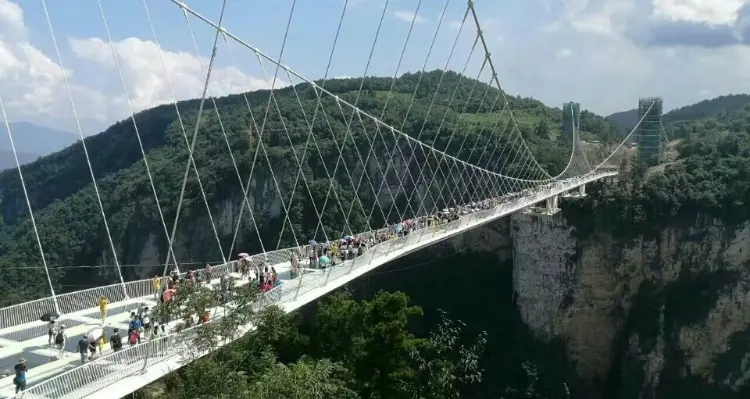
x,y
604,54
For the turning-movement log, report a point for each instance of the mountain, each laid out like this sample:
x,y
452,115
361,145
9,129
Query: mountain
x,y
31,142
709,108
7,160
626,120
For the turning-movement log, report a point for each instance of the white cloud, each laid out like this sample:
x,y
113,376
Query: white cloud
x,y
612,69
31,83
408,16
11,20
146,81
33,86
708,11
563,53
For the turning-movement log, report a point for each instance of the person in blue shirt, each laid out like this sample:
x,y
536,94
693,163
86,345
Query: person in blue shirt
x,y
83,347
20,379
135,325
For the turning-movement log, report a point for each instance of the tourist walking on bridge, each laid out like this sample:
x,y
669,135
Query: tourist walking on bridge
x,y
103,302
61,339
83,348
116,340
156,283
20,379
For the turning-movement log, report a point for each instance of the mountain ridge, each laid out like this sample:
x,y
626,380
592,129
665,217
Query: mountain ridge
x,y
626,120
31,142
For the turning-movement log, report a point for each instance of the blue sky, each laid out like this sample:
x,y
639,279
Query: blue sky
x,y
603,53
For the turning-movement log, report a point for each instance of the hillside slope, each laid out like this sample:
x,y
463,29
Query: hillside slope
x,y
71,225
626,120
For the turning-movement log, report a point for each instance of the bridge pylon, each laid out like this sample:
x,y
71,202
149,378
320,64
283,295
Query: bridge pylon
x,y
649,134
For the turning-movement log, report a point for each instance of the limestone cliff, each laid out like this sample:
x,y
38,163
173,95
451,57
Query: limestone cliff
x,y
636,311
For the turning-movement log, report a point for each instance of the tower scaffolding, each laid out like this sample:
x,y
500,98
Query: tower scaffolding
x,y
571,118
649,136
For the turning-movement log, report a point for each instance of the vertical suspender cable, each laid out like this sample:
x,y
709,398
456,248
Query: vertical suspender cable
x,y
497,81
28,205
219,29
170,249
85,150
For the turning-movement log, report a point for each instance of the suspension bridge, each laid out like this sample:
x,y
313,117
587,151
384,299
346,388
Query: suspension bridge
x,y
440,179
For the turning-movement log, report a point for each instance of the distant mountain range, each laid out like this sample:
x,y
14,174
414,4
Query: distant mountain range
x,y
626,120
31,141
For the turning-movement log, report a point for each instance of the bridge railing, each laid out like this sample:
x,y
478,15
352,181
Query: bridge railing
x,y
94,376
81,300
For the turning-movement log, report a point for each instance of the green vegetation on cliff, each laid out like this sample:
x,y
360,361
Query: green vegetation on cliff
x,y
72,228
348,349
710,177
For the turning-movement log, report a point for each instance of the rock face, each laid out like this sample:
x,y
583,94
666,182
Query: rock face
x,y
195,238
634,312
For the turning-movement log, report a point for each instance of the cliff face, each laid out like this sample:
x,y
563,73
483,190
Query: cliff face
x,y
195,239
639,316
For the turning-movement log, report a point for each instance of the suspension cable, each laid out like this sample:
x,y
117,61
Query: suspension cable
x,y
390,154
170,248
494,74
85,149
28,206
191,147
320,89
181,123
226,140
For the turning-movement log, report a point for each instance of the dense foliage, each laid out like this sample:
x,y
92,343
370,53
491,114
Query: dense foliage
x,y
350,349
711,177
71,224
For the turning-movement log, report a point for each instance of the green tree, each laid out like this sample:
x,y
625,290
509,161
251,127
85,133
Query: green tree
x,y
351,349
444,363
303,379
541,130
370,337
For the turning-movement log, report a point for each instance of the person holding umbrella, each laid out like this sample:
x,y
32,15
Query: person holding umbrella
x,y
94,336
324,261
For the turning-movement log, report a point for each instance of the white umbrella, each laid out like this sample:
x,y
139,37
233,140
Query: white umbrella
x,y
94,334
243,255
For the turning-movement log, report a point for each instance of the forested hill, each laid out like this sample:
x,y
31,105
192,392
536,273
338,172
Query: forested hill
x,y
626,120
709,108
70,221
710,177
